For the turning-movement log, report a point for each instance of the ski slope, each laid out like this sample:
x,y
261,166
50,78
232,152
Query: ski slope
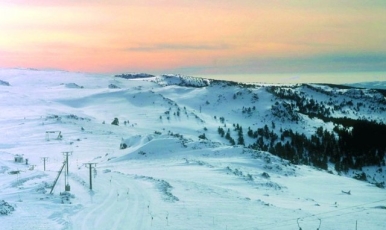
x,y
167,177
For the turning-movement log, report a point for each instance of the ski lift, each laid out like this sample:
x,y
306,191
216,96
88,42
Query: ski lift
x,y
58,137
300,228
320,224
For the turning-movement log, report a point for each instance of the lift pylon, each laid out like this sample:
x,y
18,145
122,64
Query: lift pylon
x,y
57,177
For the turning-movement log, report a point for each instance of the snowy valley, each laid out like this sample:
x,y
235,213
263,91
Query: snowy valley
x,y
177,152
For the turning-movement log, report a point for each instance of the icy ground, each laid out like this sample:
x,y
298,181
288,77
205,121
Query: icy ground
x,y
166,178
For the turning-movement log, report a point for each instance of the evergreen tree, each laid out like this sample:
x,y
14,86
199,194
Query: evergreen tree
x,y
115,121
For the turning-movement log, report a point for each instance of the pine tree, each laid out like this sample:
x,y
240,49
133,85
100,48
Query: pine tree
x,y
115,121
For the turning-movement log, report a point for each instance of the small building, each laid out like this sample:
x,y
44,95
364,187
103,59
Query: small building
x,y
19,159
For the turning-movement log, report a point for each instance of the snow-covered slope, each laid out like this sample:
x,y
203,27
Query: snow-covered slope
x,y
165,165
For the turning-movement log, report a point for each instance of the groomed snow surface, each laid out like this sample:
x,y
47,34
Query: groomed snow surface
x,y
162,180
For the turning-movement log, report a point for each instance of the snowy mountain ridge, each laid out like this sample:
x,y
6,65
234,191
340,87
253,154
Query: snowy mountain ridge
x,y
180,80
178,152
370,85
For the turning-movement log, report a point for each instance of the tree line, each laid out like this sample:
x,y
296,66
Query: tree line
x,y
351,147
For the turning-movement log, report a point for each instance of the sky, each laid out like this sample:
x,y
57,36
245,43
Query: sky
x,y
243,37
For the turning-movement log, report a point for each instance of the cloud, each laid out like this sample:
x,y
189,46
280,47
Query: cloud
x,y
50,3
360,59
318,63
176,47
197,36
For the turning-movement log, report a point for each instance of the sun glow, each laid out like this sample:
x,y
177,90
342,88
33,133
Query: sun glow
x,y
193,38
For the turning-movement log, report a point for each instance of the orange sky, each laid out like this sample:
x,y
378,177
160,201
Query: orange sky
x,y
194,37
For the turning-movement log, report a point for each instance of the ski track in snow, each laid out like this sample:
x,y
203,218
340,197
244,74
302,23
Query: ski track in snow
x,y
115,207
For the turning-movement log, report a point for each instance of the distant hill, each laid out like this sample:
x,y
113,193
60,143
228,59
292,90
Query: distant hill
x,y
370,85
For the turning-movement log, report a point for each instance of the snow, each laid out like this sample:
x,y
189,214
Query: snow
x,y
166,178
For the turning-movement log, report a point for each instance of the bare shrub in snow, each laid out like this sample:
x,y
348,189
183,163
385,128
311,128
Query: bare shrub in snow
x,y
5,208
5,83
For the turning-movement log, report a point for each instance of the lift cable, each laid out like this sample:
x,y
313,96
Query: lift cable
x,y
285,222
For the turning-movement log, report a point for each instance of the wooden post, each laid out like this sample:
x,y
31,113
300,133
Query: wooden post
x,y
56,180
90,178
90,167
67,154
44,162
